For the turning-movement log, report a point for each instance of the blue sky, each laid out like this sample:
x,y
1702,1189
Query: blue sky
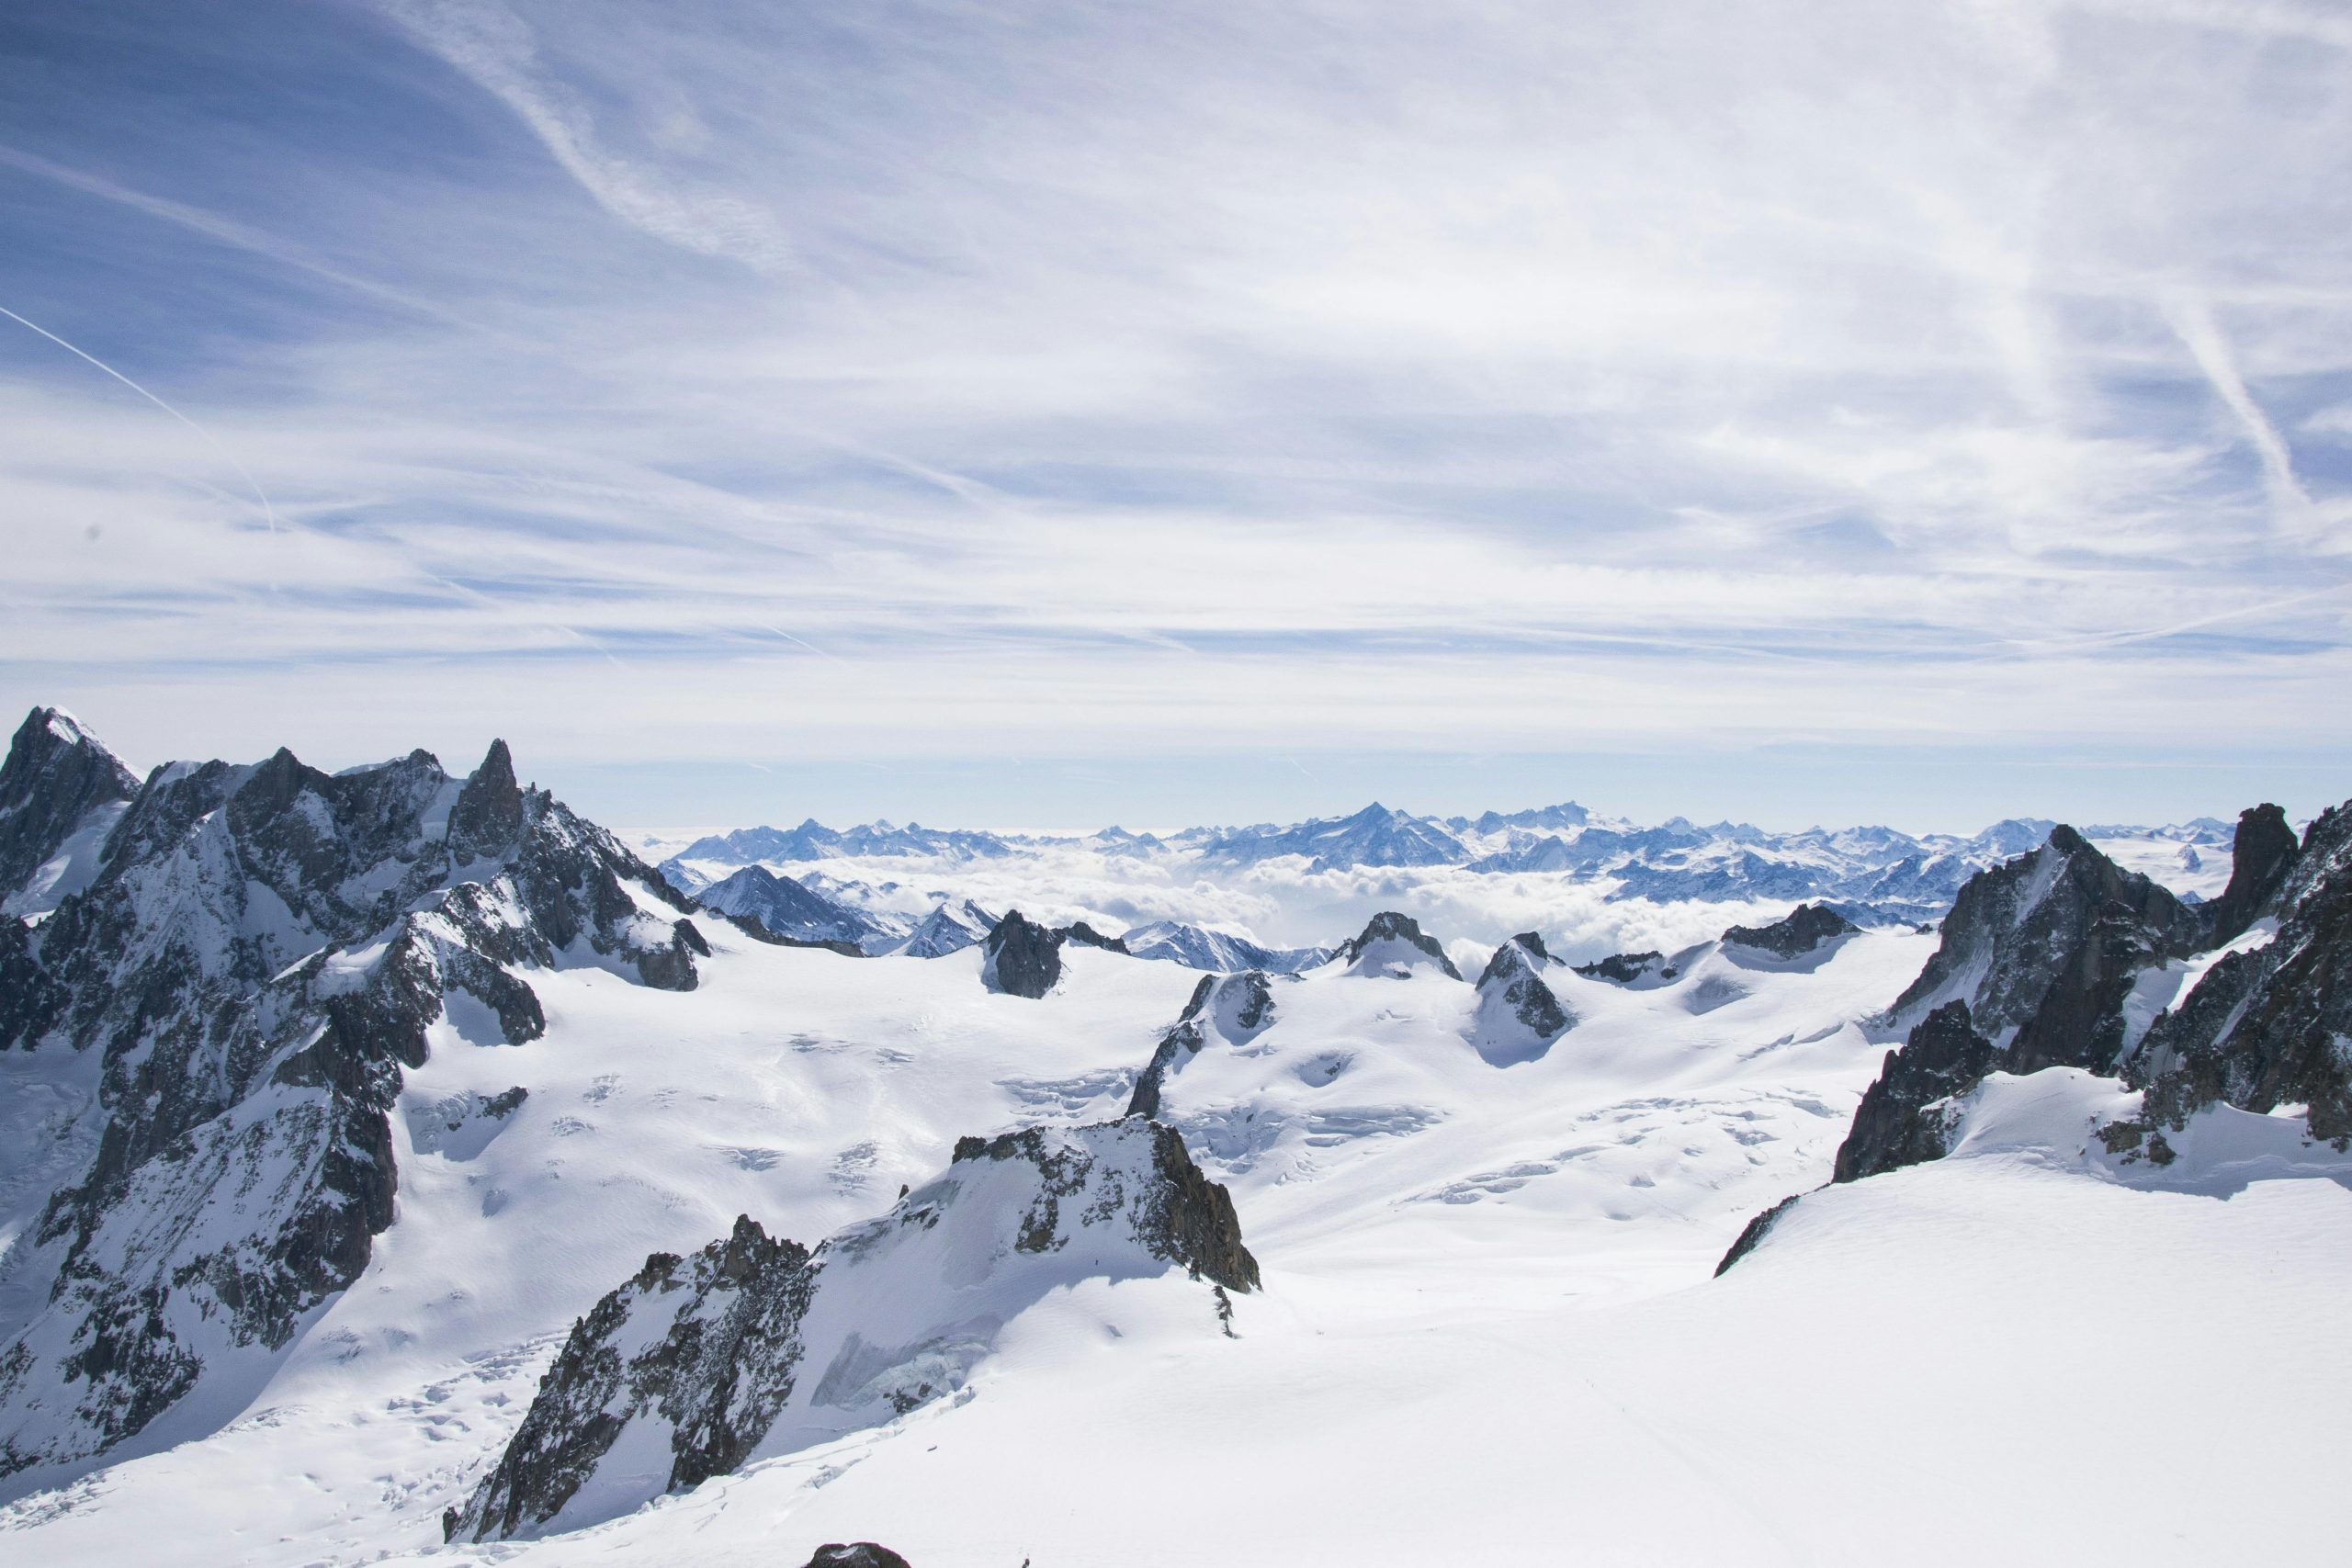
x,y
1914,413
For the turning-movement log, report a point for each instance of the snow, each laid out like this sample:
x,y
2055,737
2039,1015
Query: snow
x,y
1489,1329
71,869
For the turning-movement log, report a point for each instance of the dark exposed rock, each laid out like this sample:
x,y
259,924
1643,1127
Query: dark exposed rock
x,y
715,1346
1020,958
1800,931
863,1554
1178,1214
1382,938
2260,857
717,1378
2269,1027
1085,936
1903,1118
1756,1231
1624,968
257,961
57,781
2044,950
1518,1016
1237,1007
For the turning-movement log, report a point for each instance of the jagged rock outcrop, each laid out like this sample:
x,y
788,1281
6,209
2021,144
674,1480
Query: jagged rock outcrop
x,y
1802,931
1084,935
1236,1009
862,1554
61,792
1393,945
256,962
1755,1231
1518,1017
2261,856
2271,1026
2044,950
1903,1118
1019,957
716,1376
706,1354
1628,968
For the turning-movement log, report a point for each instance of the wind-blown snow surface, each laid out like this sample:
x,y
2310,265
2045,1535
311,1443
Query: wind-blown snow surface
x,y
1487,1327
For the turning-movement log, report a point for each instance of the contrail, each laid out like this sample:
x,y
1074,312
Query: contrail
x,y
267,511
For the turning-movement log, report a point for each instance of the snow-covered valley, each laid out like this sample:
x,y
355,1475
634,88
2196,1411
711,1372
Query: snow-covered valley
x,y
1484,1187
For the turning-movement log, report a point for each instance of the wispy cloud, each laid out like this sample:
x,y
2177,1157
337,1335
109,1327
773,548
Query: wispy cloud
x,y
495,46
998,381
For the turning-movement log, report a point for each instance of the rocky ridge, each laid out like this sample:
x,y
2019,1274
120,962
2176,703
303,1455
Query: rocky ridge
x,y
1518,1017
61,792
709,1355
255,961
1234,1008
1393,944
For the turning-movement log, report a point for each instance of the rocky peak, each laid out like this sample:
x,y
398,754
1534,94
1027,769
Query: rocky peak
x,y
703,1355
1393,944
1519,1016
1019,957
58,784
1802,931
2266,1024
2261,855
258,961
2044,949
1233,1008
488,816
1628,968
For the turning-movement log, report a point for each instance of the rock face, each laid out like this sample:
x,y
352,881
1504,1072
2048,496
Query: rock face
x,y
1236,1009
61,791
1627,968
2270,1026
1394,944
1903,1118
2038,958
709,1356
2044,950
1020,958
254,963
863,1554
1756,1231
1518,1017
2261,856
1804,930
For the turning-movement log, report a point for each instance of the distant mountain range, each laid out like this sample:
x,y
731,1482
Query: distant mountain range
x,y
1874,875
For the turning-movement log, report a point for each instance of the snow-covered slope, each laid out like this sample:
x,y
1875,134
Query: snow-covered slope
x,y
1485,1235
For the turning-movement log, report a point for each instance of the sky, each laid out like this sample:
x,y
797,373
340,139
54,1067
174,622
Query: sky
x,y
1032,413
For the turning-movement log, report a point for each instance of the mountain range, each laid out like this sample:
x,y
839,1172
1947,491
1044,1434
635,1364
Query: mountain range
x,y
408,1140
